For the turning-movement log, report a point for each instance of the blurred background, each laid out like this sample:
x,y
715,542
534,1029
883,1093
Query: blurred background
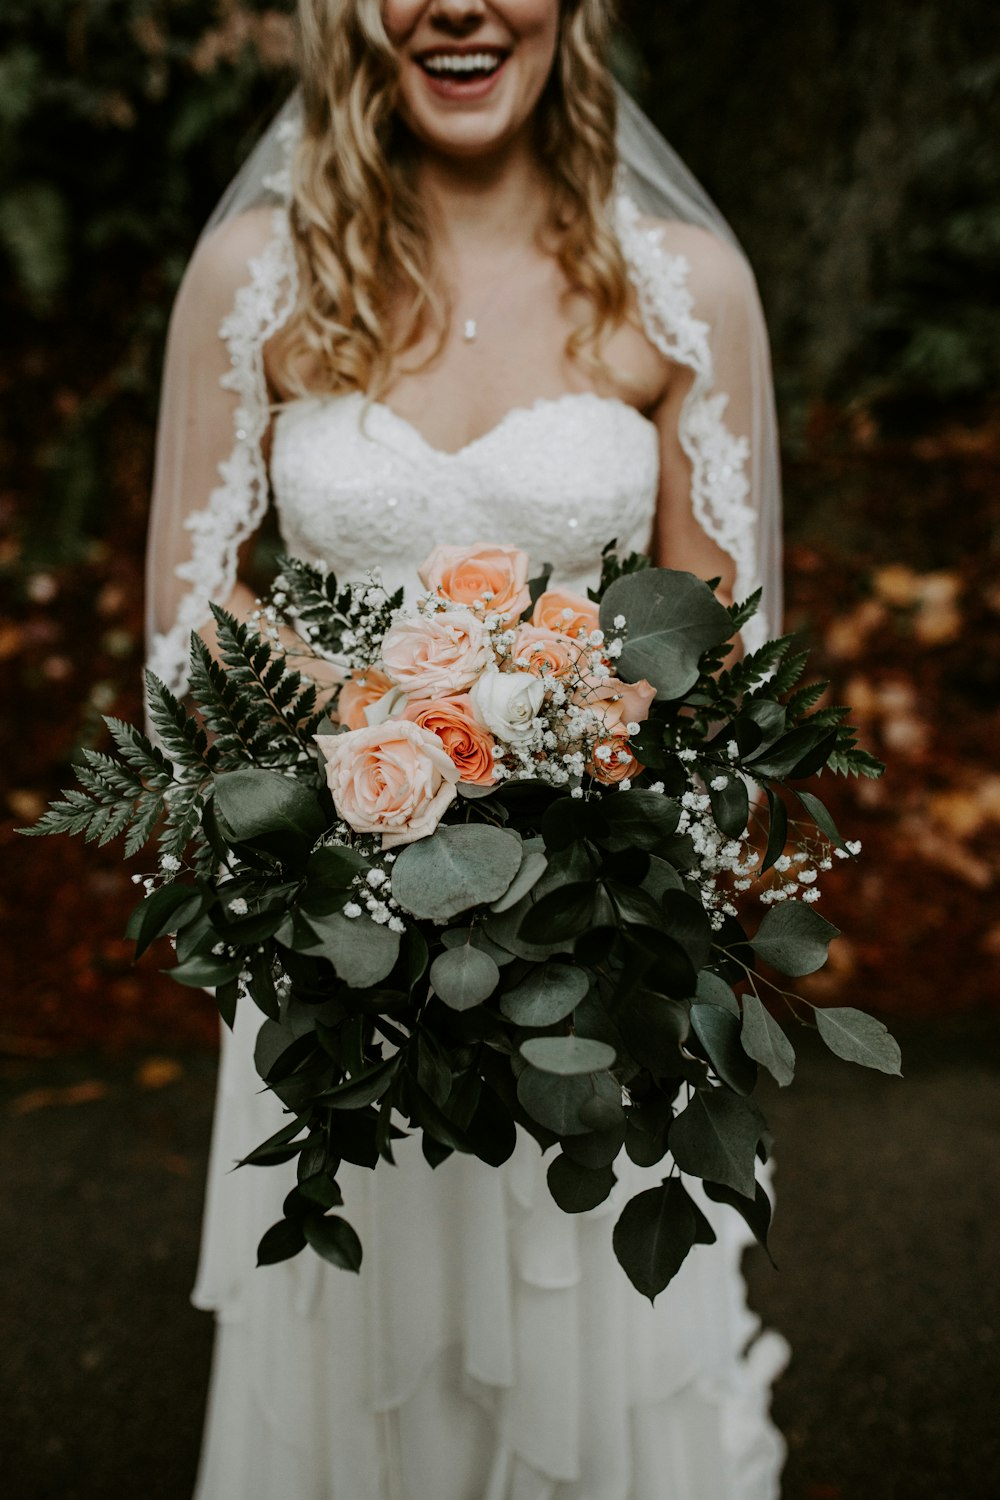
x,y
854,148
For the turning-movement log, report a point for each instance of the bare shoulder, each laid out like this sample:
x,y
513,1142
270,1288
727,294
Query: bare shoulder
x,y
221,262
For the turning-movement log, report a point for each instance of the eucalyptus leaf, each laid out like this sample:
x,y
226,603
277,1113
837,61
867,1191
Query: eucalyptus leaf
x,y
764,1039
859,1038
546,995
757,1213
794,938
363,952
533,866
673,618
715,991
456,868
568,1055
716,1137
464,977
578,1189
719,1033
654,1234
555,1101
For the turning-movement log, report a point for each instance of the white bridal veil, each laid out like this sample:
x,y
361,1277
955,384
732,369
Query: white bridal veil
x,y
698,302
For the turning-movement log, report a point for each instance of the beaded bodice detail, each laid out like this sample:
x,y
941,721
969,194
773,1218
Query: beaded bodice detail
x,y
357,486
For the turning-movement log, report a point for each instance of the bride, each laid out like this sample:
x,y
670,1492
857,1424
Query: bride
x,y
463,291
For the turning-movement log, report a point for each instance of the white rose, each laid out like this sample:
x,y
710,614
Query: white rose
x,y
507,702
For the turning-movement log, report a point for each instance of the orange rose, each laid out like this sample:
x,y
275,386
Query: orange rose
x,y
624,702
565,613
362,689
545,653
469,745
395,779
487,579
607,764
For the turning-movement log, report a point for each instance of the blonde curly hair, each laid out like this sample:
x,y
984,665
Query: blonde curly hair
x,y
362,235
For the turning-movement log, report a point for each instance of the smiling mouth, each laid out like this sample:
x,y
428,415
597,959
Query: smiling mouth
x,y
463,67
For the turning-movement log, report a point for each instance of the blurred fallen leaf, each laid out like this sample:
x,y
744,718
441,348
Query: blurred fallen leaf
x,y
848,635
10,641
896,584
158,1072
25,805
960,812
55,1098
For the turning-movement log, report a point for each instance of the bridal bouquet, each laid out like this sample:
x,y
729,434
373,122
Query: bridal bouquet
x,y
537,860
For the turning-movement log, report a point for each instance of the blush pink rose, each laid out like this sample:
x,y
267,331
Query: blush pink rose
x,y
544,653
361,690
463,737
485,578
438,655
551,608
395,779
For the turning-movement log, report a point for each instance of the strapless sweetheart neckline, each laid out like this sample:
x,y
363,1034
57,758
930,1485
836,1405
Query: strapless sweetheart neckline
x,y
510,417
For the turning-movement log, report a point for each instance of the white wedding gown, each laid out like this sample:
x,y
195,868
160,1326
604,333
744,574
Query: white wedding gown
x,y
491,1348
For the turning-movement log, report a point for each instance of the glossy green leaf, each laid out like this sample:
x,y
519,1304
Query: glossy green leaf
x,y
334,1239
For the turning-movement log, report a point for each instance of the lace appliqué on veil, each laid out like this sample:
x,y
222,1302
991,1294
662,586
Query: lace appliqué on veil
x,y
720,488
237,506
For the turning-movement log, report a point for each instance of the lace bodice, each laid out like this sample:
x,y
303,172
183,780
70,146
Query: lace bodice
x,y
355,485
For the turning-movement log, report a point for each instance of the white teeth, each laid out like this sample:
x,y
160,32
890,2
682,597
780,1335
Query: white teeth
x,y
465,62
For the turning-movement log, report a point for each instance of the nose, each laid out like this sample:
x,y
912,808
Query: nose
x,y
459,16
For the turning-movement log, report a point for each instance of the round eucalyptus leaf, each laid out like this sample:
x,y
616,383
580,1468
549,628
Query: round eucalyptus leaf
x,y
454,869
533,867
718,1031
673,618
363,952
568,1055
654,1234
794,939
577,1189
555,1101
547,995
464,977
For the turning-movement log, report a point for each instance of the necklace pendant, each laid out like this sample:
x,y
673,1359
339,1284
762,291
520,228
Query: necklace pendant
x,y
470,330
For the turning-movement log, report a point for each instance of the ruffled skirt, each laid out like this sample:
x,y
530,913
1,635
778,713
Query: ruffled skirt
x,y
491,1348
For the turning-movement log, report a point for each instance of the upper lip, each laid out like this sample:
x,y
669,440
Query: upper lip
x,y
461,49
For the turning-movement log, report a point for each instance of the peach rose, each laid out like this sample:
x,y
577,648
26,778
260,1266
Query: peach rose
x,y
621,702
487,579
544,653
466,741
607,764
438,655
358,693
395,779
566,613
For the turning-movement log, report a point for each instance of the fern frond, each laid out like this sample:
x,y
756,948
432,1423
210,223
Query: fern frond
x,y
184,740
740,614
804,699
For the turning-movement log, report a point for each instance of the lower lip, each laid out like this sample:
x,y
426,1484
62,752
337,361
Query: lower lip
x,y
457,88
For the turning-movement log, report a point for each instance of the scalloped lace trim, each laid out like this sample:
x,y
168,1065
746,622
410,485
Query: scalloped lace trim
x,y
237,506
720,488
